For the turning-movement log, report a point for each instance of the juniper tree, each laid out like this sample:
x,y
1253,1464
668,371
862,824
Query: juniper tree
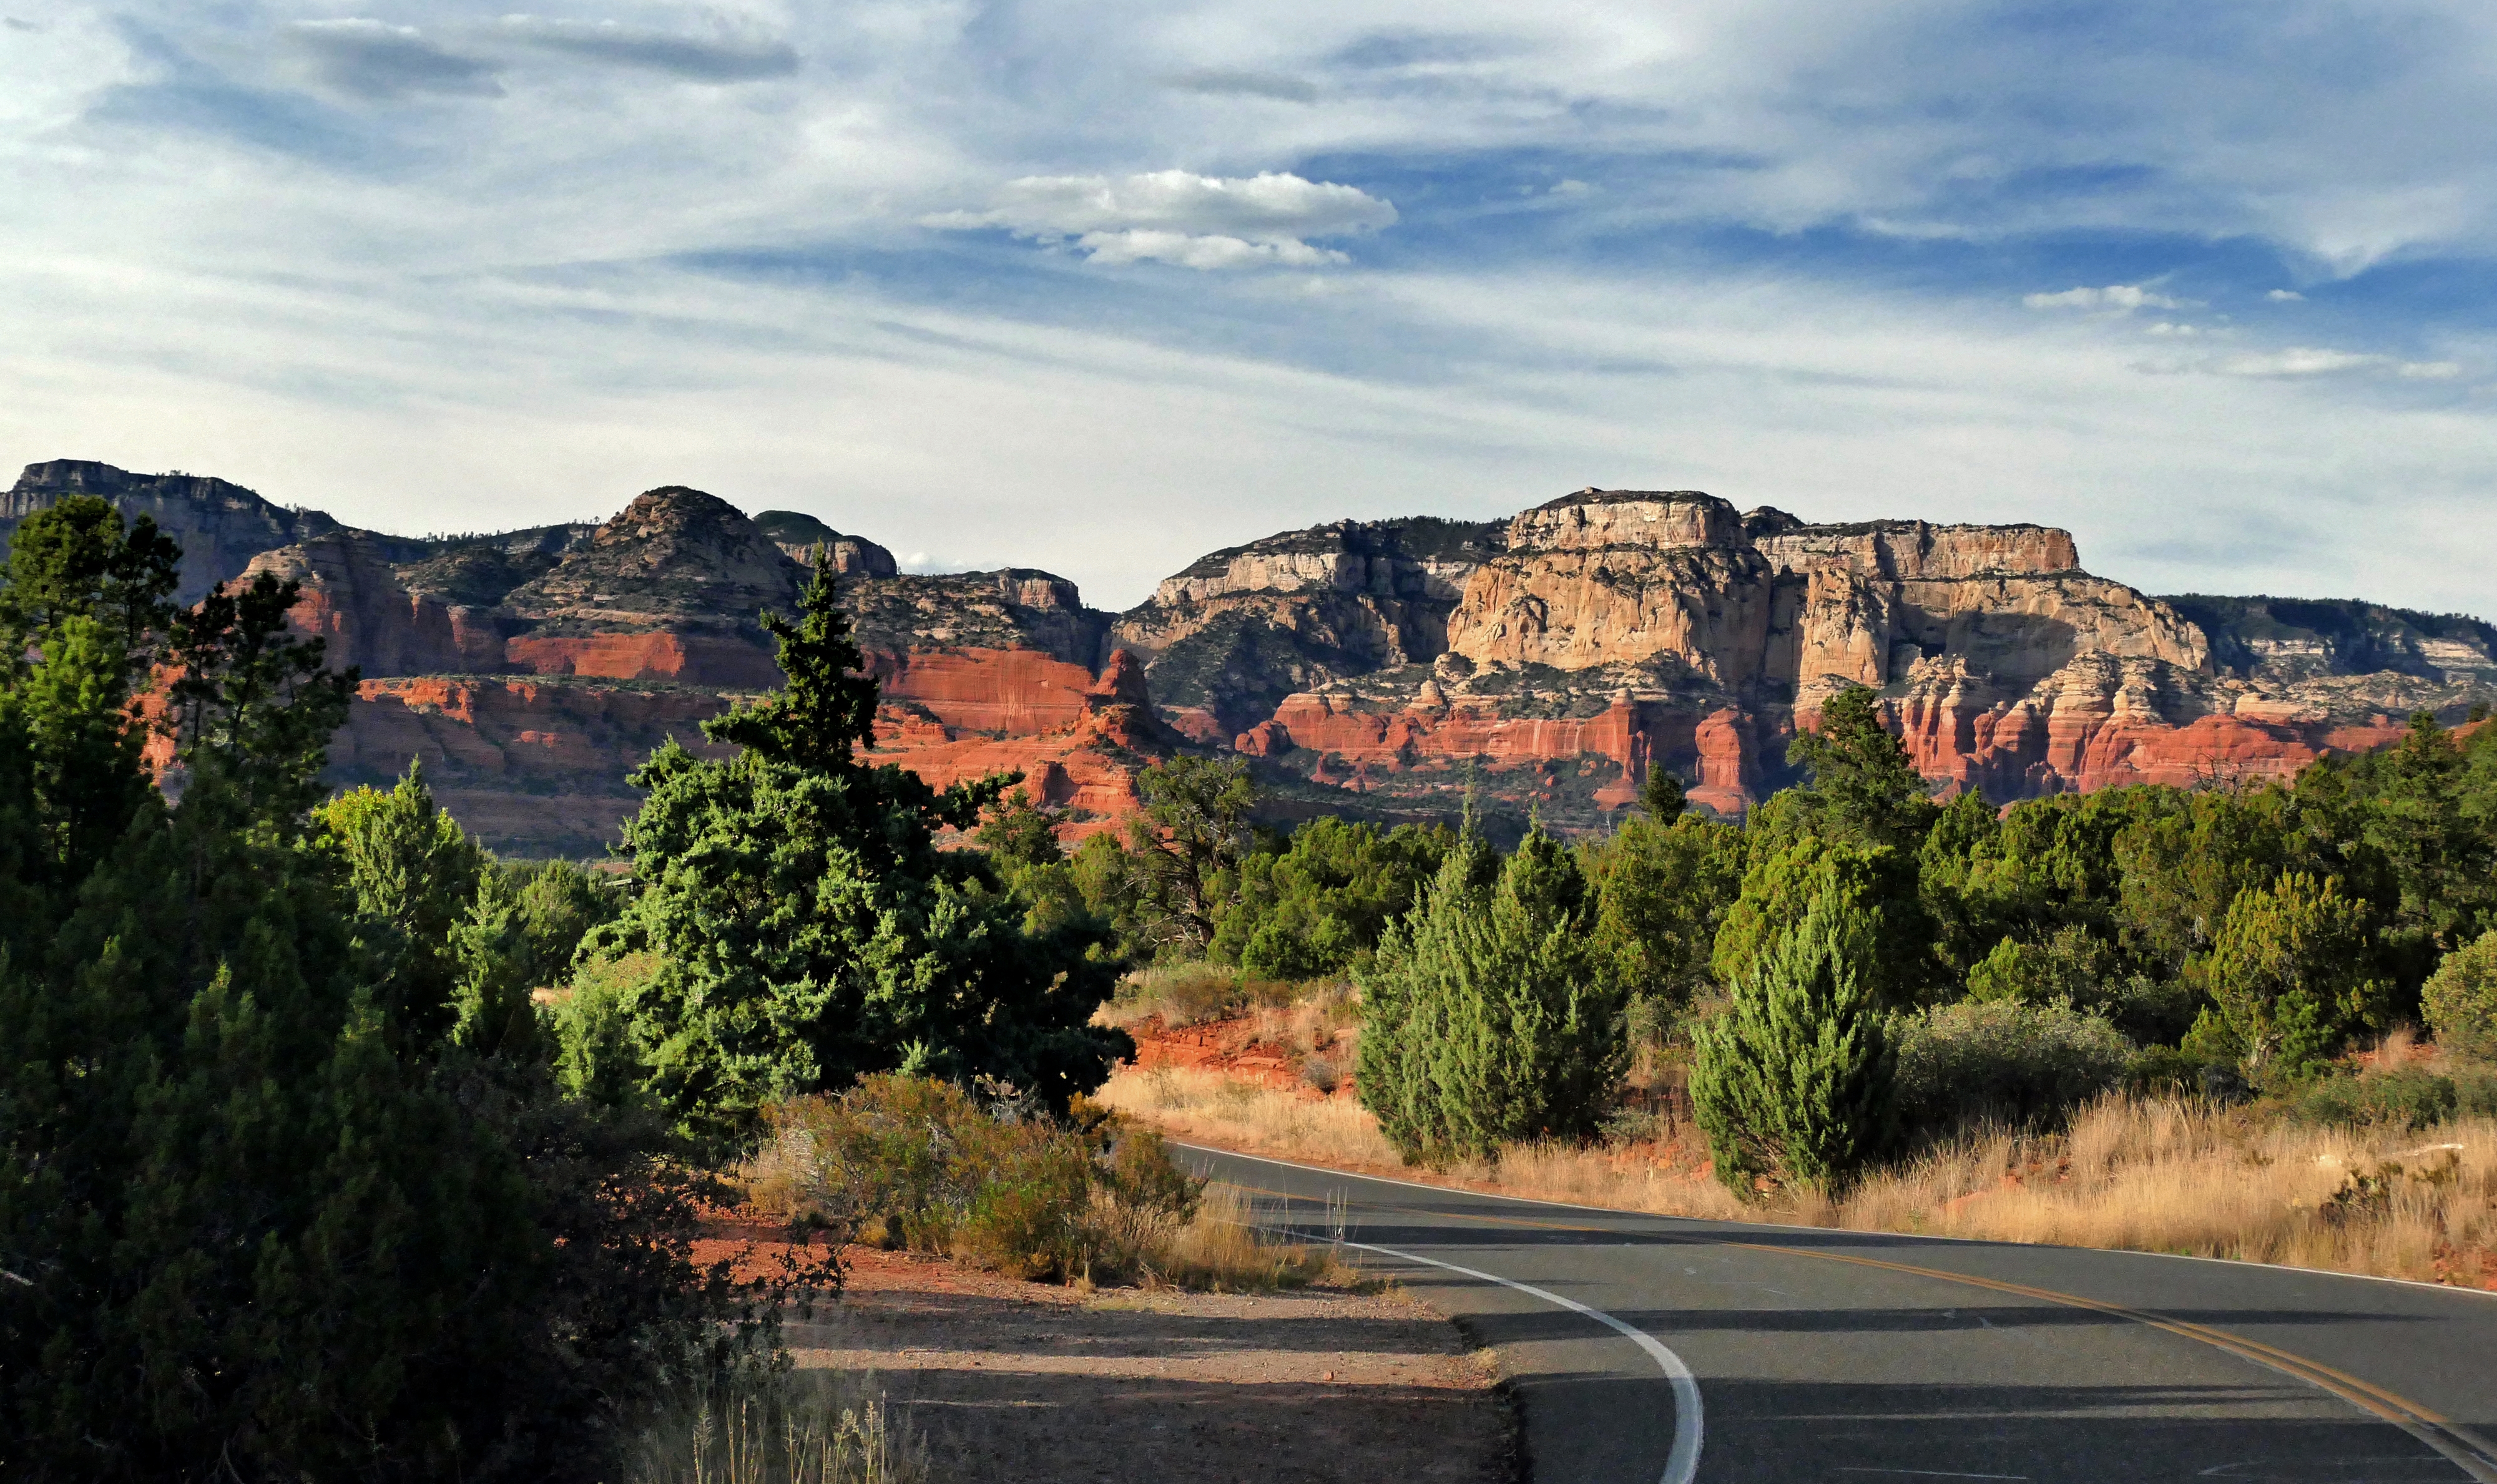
x,y
1794,1080
1486,1018
808,930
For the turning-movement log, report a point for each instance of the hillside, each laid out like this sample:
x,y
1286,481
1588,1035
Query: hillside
x,y
1375,667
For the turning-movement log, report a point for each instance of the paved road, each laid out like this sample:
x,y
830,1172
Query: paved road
x,y
1648,1348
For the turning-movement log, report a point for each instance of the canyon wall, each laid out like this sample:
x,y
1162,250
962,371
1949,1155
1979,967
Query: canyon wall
x,y
1545,662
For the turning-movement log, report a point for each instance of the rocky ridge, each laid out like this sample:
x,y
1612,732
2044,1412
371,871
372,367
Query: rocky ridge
x,y
1549,660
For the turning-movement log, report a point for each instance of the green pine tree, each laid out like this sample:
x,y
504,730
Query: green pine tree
x,y
1794,1081
806,929
1486,1016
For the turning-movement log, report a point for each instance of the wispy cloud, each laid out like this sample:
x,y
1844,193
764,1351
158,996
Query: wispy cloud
x,y
1220,81
726,58
2122,298
1174,216
375,59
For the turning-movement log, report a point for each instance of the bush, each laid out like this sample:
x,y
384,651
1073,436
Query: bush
x,y
913,1163
1485,1017
2406,1097
1192,993
1794,1079
2004,1061
2289,975
2460,999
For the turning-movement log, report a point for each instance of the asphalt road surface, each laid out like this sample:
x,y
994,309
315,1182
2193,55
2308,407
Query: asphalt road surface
x,y
1649,1348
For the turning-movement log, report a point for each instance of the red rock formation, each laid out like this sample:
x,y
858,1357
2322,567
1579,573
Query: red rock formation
x,y
1088,764
688,659
1018,692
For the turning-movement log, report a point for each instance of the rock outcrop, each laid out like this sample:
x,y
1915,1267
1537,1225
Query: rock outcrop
x,y
1545,662
801,535
221,527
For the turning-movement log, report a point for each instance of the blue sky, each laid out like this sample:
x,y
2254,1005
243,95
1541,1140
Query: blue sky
x,y
1100,287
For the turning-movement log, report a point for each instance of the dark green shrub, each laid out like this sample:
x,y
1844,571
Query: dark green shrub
x,y
1795,1079
2292,975
2006,1062
2406,1097
1486,1017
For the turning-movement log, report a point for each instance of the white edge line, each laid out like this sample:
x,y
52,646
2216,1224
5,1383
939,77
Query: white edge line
x,y
1682,1460
1779,1226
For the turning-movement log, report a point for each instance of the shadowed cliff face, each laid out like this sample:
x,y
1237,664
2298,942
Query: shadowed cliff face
x,y
1379,667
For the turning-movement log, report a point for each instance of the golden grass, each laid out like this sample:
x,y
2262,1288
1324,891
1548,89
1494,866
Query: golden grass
x,y
804,1428
2159,1175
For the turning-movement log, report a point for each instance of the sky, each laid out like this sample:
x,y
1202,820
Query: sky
x,y
1100,288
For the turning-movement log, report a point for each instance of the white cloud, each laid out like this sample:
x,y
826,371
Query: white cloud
x,y
1204,252
2431,370
2169,327
1174,216
2121,298
2296,360
2285,296
729,57
375,59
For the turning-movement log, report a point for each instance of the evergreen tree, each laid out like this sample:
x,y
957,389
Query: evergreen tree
x,y
1863,787
1318,905
1662,796
1186,847
1485,1017
415,874
806,929
1794,1080
1661,890
2292,976
2461,998
1878,886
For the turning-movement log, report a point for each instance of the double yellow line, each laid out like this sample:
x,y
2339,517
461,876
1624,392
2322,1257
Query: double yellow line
x,y
2458,1444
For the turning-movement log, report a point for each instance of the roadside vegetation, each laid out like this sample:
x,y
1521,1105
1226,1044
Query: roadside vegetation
x,y
2177,1019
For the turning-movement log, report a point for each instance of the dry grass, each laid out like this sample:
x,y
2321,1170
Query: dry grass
x,y
2157,1176
815,1428
1192,993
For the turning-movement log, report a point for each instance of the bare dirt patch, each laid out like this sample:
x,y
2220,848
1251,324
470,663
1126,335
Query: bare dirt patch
x,y
1030,1384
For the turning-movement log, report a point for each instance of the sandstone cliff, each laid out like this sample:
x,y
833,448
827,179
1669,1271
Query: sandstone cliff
x,y
1547,661
1611,631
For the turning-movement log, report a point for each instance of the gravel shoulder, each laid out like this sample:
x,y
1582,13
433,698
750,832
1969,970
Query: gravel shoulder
x,y
1030,1384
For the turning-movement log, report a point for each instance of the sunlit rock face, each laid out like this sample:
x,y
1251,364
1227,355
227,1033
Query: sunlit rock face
x,y
1543,663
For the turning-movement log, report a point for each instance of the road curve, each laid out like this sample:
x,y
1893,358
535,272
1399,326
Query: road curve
x,y
1652,1348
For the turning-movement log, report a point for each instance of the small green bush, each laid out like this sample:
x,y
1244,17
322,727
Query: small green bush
x,y
2004,1061
2406,1097
2460,999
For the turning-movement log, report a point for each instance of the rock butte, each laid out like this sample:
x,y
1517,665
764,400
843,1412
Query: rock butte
x,y
1380,668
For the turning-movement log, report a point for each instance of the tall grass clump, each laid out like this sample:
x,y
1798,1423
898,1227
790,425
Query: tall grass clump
x,y
780,1427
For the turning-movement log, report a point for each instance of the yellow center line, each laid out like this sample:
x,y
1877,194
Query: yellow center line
x,y
2457,1444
